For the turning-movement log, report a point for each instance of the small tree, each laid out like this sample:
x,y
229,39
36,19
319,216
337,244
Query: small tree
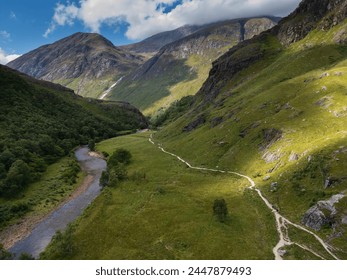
x,y
220,210
104,179
120,155
91,145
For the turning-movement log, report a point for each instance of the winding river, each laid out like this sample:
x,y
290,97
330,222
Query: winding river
x,y
42,234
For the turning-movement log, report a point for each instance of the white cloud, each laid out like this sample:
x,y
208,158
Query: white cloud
x,y
4,34
63,15
147,17
6,58
13,15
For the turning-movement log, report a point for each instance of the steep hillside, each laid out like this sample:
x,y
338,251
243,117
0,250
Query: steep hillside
x,y
42,122
274,107
180,68
154,43
86,62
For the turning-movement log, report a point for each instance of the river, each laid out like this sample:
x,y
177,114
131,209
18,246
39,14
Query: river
x,y
42,233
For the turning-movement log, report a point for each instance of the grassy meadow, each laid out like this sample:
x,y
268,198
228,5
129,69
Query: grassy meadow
x,y
164,211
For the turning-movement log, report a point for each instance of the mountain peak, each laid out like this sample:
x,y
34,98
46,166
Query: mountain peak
x,y
82,56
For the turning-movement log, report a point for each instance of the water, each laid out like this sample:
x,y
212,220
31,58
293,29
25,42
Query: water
x,y
103,96
42,234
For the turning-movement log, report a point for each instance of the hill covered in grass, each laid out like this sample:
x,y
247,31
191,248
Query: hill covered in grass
x,y
274,107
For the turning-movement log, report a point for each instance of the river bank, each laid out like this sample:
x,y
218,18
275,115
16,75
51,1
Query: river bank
x,y
34,233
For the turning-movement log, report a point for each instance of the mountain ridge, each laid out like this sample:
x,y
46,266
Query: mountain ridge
x,y
180,67
78,61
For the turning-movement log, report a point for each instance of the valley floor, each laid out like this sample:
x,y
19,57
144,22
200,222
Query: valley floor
x,y
164,211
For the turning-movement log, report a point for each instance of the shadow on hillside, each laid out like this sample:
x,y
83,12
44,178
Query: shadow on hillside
x,y
153,81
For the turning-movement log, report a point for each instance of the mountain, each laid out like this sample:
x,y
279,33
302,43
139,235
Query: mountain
x,y
154,43
41,122
86,62
180,68
274,108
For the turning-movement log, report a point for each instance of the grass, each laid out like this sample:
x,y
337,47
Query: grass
x,y
168,215
300,91
178,78
89,87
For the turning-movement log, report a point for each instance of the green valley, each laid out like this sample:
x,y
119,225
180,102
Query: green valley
x,y
166,213
40,124
273,108
244,155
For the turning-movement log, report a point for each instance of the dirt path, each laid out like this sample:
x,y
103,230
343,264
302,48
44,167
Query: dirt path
x,y
281,222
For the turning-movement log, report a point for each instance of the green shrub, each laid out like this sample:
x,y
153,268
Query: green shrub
x,y
220,210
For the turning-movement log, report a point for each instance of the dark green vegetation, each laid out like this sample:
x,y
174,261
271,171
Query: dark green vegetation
x,y
116,168
58,181
39,124
220,210
274,108
164,211
4,255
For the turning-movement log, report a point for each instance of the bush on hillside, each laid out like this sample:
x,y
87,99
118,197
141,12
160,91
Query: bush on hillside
x,y
220,210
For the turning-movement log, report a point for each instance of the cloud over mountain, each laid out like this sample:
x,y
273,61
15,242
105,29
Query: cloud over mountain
x,y
145,18
6,58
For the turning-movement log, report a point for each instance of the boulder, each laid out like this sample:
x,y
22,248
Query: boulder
x,y
321,214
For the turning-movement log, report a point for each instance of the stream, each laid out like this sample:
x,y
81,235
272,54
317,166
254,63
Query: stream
x,y
43,232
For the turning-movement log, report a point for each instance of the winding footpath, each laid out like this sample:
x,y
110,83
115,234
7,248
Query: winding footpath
x,y
281,222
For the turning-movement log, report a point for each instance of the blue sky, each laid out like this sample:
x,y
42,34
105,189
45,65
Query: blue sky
x,y
28,24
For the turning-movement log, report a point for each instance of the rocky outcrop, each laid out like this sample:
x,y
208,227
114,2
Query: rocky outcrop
x,y
254,27
200,120
270,136
322,214
154,43
321,14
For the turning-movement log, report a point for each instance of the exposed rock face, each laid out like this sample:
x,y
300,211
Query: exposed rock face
x,y
200,120
311,14
213,36
322,213
255,26
86,56
293,157
270,136
305,18
206,44
154,43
